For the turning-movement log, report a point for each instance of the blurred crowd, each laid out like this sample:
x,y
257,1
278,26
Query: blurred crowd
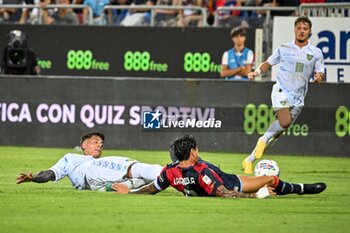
x,y
72,12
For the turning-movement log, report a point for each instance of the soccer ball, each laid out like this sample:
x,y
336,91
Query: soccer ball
x,y
267,167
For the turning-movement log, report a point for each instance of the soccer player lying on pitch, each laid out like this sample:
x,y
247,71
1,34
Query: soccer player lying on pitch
x,y
196,178
89,171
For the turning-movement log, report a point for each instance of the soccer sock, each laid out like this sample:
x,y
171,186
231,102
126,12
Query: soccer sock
x,y
284,188
251,158
274,129
146,171
135,183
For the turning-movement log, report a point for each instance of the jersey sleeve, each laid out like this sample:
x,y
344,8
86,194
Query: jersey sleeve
x,y
319,65
209,181
162,183
250,58
274,58
60,168
224,59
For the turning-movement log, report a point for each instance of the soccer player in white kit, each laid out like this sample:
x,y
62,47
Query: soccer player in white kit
x,y
89,171
299,61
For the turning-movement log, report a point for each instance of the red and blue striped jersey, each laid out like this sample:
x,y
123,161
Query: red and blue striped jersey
x,y
198,180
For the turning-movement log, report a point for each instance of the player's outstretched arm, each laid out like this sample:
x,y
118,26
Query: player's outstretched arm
x,y
262,193
263,67
41,177
146,189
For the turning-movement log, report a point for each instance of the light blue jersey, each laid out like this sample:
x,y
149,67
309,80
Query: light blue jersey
x,y
297,67
96,6
86,172
234,59
74,166
108,169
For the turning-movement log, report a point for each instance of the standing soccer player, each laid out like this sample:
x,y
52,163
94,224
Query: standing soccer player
x,y
299,62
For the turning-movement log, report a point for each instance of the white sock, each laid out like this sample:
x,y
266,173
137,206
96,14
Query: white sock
x,y
251,158
135,183
274,129
145,171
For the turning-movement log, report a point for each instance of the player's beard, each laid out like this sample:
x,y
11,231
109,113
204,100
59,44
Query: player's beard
x,y
301,40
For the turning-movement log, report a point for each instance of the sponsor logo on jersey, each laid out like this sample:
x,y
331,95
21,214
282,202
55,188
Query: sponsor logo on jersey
x,y
207,180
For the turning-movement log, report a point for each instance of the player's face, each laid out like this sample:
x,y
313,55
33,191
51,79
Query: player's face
x,y
302,31
194,153
239,40
93,146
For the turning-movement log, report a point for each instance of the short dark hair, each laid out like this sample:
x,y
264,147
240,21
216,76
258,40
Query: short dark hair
x,y
238,31
303,19
90,135
182,146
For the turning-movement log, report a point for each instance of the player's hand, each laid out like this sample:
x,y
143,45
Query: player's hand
x,y
120,188
252,75
271,191
318,77
24,177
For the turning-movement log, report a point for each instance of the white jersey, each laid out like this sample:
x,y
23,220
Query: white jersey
x,y
74,166
297,67
107,169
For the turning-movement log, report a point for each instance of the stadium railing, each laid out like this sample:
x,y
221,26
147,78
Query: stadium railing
x,y
152,8
325,9
51,6
252,9
267,25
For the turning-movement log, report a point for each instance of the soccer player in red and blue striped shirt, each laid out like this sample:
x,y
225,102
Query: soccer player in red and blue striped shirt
x,y
194,177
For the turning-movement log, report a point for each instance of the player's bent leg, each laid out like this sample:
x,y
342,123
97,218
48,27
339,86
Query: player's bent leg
x,y
145,171
253,184
274,131
284,117
273,140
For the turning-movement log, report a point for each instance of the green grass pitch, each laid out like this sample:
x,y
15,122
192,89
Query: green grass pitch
x,y
57,207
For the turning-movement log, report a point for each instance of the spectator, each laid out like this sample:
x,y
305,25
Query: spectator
x,y
138,17
167,18
30,16
10,15
97,10
237,62
252,17
116,16
191,17
230,18
212,6
313,1
279,3
79,11
63,16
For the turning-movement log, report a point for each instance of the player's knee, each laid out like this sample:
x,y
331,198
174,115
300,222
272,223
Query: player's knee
x,y
285,122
